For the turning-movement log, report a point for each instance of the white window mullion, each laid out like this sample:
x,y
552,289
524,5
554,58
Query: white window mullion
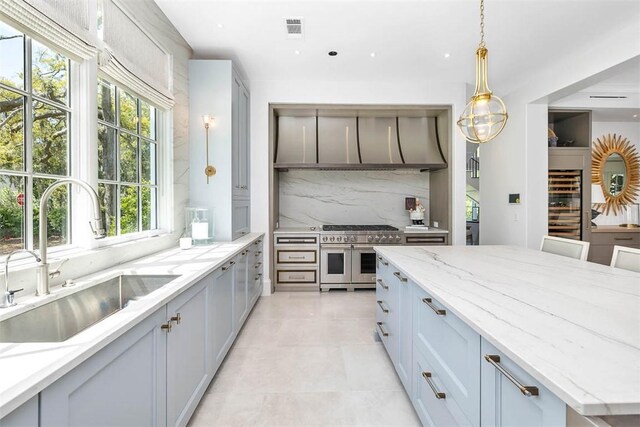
x,y
28,146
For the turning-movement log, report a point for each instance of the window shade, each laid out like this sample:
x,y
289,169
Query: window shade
x,y
134,59
64,23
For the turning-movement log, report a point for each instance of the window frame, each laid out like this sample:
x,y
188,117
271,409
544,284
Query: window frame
x,y
27,173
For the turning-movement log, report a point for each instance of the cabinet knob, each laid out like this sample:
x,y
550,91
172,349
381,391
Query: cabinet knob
x,y
166,326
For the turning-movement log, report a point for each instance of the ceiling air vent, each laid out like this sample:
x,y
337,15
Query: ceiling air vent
x,y
607,97
294,27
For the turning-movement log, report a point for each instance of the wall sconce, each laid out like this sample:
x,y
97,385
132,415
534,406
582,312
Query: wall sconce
x,y
208,121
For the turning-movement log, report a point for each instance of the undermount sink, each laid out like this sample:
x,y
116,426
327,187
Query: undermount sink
x,y
61,319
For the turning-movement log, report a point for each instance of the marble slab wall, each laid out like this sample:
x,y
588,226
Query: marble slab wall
x,y
314,197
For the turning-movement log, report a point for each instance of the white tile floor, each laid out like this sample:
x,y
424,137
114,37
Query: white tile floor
x,y
307,359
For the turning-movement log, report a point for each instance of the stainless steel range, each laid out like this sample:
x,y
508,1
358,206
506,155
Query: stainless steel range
x,y
347,257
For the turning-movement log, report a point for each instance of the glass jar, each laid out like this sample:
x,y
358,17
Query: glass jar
x,y
199,225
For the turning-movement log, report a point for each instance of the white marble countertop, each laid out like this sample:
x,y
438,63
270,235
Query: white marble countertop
x,y
28,368
573,325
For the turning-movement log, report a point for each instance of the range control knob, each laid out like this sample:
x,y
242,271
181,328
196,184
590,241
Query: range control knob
x,y
369,238
332,238
353,238
339,238
398,238
383,239
376,238
324,238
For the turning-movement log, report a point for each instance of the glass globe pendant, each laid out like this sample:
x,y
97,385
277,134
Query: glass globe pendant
x,y
485,115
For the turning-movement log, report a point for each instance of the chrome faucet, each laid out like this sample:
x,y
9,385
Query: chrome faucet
x,y
7,295
95,224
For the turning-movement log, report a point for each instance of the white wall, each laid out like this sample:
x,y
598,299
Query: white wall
x,y
516,161
347,92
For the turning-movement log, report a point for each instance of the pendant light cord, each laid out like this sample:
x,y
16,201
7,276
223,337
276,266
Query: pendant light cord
x,y
482,23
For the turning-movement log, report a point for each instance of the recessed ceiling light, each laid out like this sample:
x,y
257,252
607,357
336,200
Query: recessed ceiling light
x,y
635,115
297,52
447,55
333,53
220,26
373,54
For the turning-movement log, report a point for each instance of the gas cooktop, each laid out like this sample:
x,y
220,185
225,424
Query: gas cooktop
x,y
366,227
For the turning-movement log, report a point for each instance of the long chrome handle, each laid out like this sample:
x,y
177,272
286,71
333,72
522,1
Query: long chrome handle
x,y
384,286
384,333
383,261
297,257
384,310
429,302
527,390
399,276
297,276
427,377
623,238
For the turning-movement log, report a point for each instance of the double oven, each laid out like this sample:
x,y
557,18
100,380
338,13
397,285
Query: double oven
x,y
347,258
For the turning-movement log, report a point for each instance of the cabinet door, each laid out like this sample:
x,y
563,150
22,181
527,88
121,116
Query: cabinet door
x,y
188,373
235,133
124,384
240,290
241,218
405,338
221,309
504,404
243,146
26,415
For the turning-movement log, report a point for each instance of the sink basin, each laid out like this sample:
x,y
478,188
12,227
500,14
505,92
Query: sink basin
x,y
61,319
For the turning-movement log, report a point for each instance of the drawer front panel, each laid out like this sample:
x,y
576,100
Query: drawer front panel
x,y
504,404
296,256
296,276
620,239
426,239
452,348
431,398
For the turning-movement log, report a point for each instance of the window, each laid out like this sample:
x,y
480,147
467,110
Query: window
x,y
127,161
34,140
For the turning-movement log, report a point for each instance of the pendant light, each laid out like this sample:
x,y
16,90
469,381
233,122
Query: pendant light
x,y
485,115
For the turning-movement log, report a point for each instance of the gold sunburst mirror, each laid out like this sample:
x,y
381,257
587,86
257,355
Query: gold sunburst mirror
x,y
615,165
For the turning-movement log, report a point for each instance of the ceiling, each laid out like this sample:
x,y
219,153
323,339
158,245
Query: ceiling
x,y
409,38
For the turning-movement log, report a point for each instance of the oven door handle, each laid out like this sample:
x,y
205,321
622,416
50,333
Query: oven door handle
x,y
343,247
363,247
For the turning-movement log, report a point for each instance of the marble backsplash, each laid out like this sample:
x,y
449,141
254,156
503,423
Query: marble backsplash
x,y
316,197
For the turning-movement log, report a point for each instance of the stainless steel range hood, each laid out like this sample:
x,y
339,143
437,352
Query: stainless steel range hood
x,y
359,139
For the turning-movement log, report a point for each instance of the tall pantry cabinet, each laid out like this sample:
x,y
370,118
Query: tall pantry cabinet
x,y
216,89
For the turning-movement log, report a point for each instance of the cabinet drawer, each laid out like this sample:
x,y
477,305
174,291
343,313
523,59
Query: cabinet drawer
x,y
451,348
296,276
620,239
433,402
505,404
296,256
425,239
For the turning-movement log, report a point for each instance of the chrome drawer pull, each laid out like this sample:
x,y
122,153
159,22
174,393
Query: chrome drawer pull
x,y
384,310
384,334
383,261
427,377
399,276
384,286
299,277
527,390
623,238
439,311
297,257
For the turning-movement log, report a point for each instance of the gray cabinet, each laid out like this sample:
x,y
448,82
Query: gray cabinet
x,y
188,372
240,289
603,240
24,416
215,88
505,402
123,384
221,303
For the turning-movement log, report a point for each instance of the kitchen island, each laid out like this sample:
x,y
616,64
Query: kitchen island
x,y
571,326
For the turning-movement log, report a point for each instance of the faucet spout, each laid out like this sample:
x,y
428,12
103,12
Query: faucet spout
x,y
7,295
95,224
